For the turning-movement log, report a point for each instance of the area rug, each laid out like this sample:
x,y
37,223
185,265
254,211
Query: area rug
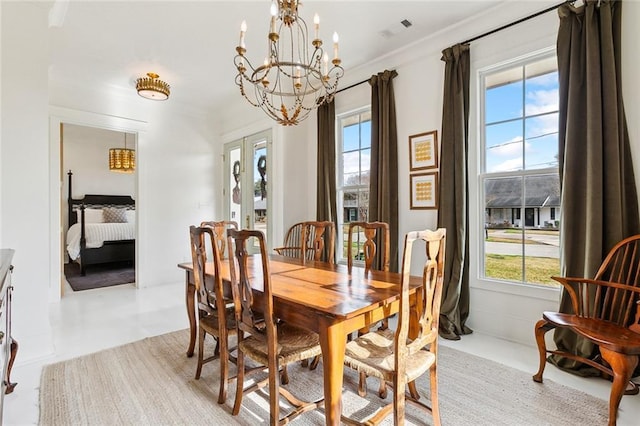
x,y
151,382
98,276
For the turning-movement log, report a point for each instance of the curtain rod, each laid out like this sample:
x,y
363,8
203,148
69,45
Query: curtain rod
x,y
353,85
526,18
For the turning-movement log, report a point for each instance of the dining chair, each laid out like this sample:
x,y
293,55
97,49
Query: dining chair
x,y
393,356
292,246
215,313
319,239
311,240
364,248
606,312
220,230
261,336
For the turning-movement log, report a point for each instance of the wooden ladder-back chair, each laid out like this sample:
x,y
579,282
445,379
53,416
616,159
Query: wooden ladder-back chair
x,y
215,314
220,229
393,356
260,336
293,246
307,241
371,231
606,312
317,237
366,250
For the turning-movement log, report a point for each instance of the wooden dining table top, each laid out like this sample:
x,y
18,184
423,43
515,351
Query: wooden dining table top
x,y
323,287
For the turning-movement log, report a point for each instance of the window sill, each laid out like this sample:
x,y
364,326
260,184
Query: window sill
x,y
516,289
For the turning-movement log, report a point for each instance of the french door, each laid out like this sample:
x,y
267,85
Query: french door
x,y
246,162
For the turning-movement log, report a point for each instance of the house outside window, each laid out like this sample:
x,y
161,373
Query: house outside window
x,y
519,177
354,161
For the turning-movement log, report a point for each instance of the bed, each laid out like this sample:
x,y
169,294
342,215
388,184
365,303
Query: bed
x,y
101,229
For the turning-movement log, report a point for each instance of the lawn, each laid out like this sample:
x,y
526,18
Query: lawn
x,y
509,267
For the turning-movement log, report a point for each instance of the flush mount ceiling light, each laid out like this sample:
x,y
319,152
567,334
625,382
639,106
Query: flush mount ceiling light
x,y
151,87
296,76
122,160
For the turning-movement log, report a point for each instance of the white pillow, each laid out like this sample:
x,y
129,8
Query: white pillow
x,y
131,216
91,216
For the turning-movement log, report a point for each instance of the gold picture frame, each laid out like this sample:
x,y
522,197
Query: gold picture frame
x,y
424,191
423,151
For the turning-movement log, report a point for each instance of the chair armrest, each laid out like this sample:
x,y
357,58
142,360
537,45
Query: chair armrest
x,y
576,287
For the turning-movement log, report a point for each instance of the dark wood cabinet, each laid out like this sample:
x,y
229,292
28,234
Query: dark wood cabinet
x,y
8,346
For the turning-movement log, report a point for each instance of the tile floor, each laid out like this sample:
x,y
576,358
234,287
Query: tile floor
x,y
89,321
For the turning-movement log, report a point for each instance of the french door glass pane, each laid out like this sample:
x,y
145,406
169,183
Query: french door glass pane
x,y
235,185
260,187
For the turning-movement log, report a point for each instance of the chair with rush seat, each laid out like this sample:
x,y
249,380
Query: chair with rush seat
x,y
261,336
215,313
394,356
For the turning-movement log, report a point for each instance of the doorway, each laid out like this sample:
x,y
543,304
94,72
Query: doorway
x,y
88,161
246,165
529,217
58,116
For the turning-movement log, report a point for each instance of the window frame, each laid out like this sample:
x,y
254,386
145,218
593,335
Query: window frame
x,y
482,176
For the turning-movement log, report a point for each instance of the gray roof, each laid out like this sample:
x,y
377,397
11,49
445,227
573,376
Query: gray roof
x,y
539,191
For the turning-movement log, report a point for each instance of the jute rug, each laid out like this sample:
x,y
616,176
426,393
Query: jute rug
x,y
151,382
98,276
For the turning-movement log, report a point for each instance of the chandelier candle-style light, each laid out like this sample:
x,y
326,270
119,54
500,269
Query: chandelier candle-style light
x,y
295,77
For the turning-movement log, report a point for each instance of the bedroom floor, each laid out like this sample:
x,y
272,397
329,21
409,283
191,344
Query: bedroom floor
x,y
85,322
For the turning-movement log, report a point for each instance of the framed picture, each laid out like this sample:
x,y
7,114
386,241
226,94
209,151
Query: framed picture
x,y
423,151
424,191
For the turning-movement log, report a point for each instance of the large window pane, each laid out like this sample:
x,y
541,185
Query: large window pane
x,y
503,99
351,138
365,138
541,145
542,258
503,233
504,147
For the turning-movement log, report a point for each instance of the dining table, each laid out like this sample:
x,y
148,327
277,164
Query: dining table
x,y
325,298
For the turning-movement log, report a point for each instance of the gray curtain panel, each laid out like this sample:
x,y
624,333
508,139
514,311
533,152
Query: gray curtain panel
x,y
453,196
599,199
326,183
383,185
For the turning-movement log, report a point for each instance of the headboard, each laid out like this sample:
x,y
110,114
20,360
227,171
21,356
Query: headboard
x,y
95,201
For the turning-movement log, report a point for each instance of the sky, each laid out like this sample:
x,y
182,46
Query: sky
x,y
524,109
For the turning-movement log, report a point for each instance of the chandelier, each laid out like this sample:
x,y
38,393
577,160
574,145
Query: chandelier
x,y
151,88
295,77
122,160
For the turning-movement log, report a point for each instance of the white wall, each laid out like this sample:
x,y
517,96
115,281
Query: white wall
x,y
25,171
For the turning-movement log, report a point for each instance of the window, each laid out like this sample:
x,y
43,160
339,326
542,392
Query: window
x,y
354,160
519,175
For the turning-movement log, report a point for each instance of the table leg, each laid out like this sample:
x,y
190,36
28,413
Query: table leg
x,y
190,294
333,341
